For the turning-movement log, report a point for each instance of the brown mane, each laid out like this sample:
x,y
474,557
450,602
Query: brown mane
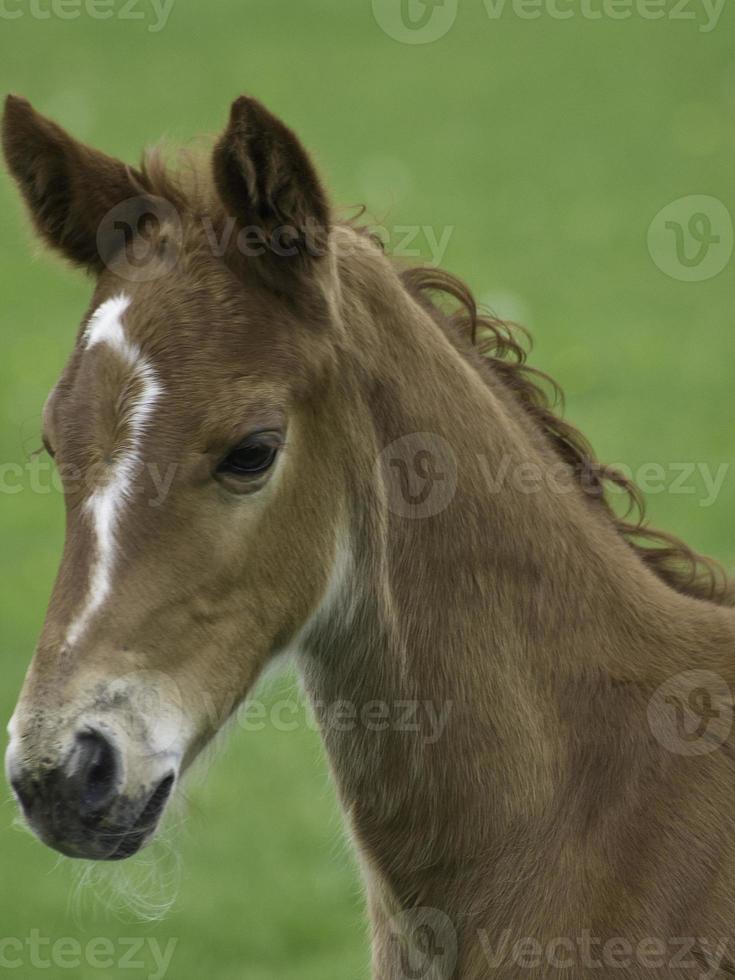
x,y
502,344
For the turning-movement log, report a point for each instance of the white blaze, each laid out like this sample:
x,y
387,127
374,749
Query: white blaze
x,y
105,504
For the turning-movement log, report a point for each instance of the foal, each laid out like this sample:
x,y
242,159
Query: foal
x,y
349,478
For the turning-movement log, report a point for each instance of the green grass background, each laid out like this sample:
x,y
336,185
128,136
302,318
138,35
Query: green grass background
x,y
548,146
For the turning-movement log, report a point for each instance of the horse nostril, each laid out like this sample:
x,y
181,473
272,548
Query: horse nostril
x,y
94,767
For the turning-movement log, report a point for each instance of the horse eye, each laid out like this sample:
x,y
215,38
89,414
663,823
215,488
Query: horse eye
x,y
250,458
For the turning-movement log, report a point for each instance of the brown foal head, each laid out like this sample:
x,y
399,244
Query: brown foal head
x,y
199,487
219,429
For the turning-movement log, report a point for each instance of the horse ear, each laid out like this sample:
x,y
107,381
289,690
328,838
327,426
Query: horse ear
x,y
68,187
267,182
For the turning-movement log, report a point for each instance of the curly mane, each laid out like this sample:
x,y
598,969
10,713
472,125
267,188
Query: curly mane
x,y
502,343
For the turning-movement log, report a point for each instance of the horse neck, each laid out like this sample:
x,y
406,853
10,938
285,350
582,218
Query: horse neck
x,y
452,639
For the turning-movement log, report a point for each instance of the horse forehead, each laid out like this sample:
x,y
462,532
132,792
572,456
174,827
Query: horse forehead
x,y
167,331
105,325
130,350
193,357
118,326
110,349
107,333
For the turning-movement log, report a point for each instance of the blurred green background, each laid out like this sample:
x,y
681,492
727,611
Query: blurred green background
x,y
547,147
